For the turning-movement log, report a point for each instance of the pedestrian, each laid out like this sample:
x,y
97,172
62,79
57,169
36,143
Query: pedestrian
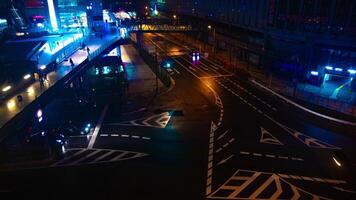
x,y
88,50
19,98
41,83
71,62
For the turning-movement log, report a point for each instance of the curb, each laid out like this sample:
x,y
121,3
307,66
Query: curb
x,y
171,87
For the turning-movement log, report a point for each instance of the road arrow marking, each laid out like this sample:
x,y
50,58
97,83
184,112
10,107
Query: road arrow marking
x,y
268,138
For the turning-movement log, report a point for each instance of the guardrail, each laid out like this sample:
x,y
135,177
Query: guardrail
x,y
102,48
50,93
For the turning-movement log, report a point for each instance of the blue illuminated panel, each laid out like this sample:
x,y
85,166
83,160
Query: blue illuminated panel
x,y
52,15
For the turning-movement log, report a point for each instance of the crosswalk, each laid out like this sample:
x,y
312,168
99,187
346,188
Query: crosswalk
x,y
82,156
246,184
201,69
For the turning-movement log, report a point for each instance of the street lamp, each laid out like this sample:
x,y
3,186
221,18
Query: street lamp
x,y
214,36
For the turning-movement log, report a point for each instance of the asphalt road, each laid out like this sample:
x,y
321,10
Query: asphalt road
x,y
212,137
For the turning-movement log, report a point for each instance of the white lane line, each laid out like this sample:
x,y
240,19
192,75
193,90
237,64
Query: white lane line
x,y
115,135
225,160
271,156
283,157
176,70
104,135
124,135
146,138
305,109
135,136
307,178
97,127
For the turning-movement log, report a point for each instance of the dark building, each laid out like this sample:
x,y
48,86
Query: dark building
x,y
292,35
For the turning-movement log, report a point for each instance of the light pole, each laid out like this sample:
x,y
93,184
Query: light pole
x,y
214,36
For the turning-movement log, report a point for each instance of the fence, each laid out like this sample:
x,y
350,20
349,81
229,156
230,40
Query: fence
x,y
160,72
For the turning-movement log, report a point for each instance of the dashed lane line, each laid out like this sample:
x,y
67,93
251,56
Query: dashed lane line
x,y
307,178
305,139
125,136
270,156
251,94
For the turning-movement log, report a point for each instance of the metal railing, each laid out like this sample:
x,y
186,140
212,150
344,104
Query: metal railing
x,y
98,51
159,27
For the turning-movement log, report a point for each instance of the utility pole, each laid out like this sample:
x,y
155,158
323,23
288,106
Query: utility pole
x,y
157,66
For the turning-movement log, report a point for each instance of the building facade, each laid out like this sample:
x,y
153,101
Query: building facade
x,y
298,36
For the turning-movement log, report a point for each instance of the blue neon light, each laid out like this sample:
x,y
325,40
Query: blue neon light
x,y
352,71
314,73
329,68
338,69
52,15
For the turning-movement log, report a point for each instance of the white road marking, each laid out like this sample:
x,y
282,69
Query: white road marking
x,y
69,157
222,135
85,157
97,128
103,156
104,135
225,160
176,70
119,156
306,109
124,135
270,156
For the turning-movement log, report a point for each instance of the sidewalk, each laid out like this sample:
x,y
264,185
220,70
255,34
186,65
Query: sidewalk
x,y
142,81
11,107
317,98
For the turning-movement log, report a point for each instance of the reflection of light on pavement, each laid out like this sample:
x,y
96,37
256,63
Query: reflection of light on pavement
x,y
124,56
337,90
31,91
11,105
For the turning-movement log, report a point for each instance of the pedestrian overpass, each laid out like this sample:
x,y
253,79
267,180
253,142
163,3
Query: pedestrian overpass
x,y
161,28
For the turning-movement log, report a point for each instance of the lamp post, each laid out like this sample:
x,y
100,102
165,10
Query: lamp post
x,y
214,36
